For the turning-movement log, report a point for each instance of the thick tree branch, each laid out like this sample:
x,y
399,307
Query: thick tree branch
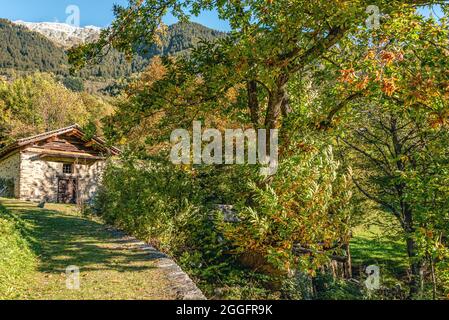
x,y
377,200
253,102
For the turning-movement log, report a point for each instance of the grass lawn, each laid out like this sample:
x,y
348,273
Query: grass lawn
x,y
109,267
371,245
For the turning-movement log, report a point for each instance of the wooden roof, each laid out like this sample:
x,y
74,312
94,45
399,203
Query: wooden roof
x,y
74,130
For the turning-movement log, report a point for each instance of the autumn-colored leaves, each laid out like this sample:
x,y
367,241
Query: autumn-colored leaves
x,y
360,80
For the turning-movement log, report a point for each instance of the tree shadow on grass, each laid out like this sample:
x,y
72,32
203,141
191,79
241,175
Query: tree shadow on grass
x,y
61,240
388,254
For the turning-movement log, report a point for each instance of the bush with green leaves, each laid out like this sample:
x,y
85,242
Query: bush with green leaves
x,y
167,207
308,203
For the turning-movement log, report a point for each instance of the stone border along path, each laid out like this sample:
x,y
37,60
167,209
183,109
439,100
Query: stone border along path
x,y
181,283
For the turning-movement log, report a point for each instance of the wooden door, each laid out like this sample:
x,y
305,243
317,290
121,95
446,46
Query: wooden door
x,y
67,190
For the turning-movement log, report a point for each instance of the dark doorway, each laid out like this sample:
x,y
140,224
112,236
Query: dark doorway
x,y
67,190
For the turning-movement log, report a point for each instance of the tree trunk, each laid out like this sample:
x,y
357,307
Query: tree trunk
x,y
348,265
415,262
407,215
278,102
285,107
253,103
415,266
434,280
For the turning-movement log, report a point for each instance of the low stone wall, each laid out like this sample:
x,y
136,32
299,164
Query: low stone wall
x,y
181,284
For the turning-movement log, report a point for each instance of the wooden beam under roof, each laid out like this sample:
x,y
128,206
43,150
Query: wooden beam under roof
x,y
73,155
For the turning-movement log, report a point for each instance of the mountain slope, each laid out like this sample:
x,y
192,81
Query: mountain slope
x,y
28,47
27,51
182,37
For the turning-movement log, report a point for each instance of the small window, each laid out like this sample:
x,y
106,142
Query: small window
x,y
67,168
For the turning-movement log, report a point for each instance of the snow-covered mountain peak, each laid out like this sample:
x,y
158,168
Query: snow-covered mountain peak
x,y
62,33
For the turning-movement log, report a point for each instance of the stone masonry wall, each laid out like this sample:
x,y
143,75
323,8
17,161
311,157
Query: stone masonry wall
x,y
39,178
9,169
89,179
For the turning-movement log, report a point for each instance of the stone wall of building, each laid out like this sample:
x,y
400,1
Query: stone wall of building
x,y
9,170
39,178
89,179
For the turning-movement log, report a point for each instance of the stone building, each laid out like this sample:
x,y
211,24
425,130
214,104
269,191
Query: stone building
x,y
59,166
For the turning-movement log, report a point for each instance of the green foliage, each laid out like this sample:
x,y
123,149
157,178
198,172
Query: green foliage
x,y
297,287
28,51
244,284
167,200
172,209
405,173
307,203
37,103
377,241
17,260
163,205
73,83
329,288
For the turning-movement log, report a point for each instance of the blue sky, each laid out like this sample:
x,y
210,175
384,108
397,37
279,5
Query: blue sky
x,y
92,12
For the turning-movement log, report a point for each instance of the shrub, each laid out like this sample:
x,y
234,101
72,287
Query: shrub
x,y
307,203
165,206
73,83
329,288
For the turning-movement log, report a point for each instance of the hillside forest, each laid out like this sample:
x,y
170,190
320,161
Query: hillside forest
x,y
361,106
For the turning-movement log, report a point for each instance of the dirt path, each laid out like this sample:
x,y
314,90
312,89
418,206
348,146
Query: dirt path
x,y
112,265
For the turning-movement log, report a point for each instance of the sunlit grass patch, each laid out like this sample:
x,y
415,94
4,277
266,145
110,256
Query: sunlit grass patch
x,y
377,243
59,236
17,261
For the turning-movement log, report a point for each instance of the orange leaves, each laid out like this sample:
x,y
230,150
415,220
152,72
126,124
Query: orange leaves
x,y
153,73
425,88
232,94
378,66
347,75
371,55
437,120
389,86
387,57
361,85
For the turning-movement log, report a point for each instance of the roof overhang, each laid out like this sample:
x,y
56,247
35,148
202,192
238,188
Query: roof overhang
x,y
73,157
71,130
